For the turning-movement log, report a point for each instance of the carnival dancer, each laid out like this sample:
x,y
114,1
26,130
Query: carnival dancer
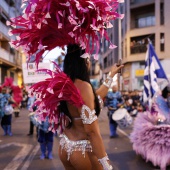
x,y
81,145
31,108
45,137
17,98
6,118
150,135
11,97
68,98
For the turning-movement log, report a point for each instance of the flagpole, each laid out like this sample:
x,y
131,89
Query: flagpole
x,y
149,64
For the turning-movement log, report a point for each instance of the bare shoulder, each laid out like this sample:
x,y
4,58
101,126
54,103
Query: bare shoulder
x,y
84,88
82,85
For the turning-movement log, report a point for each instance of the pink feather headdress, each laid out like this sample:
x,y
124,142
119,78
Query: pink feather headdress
x,y
16,90
46,24
8,82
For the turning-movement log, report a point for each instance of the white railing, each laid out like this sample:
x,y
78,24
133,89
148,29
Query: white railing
x,y
7,56
4,54
4,29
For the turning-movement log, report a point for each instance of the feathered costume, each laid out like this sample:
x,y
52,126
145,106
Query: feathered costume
x,y
46,24
16,90
151,134
50,92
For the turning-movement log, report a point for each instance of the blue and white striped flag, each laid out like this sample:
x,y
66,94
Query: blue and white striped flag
x,y
153,75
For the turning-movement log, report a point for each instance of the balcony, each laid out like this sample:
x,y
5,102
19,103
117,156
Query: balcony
x,y
4,30
7,56
138,44
145,22
141,48
138,3
143,16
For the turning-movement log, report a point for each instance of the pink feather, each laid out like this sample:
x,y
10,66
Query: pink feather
x,y
52,23
150,140
8,82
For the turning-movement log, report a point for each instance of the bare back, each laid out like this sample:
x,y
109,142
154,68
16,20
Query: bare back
x,y
77,131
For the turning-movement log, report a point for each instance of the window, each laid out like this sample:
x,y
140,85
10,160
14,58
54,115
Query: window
x,y
162,13
162,42
122,50
105,62
10,2
125,48
12,51
12,74
3,18
145,21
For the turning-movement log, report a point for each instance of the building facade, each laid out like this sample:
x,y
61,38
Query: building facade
x,y
144,19
10,59
107,57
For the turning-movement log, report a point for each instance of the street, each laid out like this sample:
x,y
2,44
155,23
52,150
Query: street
x,y
21,152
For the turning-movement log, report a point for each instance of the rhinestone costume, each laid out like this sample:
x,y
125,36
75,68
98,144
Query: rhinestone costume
x,y
100,102
91,118
70,146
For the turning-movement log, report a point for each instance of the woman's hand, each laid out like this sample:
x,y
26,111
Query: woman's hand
x,y
115,69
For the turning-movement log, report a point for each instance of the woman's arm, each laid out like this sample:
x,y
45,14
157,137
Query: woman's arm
x,y
103,89
91,124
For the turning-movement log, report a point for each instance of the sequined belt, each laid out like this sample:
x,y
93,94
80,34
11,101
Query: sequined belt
x,y
70,146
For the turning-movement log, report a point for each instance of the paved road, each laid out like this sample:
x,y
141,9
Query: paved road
x,y
21,152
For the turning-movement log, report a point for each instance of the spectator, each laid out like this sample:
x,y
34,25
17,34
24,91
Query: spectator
x,y
166,94
6,117
45,137
24,100
30,103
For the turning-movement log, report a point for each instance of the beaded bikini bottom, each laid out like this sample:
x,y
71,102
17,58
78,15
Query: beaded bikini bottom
x,y
71,146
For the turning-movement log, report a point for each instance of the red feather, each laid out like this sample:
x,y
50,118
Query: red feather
x,y
49,95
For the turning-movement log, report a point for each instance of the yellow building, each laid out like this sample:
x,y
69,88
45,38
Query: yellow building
x,y
143,19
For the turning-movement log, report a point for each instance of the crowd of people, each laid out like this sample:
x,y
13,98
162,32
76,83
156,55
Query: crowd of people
x,y
133,102
115,99
10,106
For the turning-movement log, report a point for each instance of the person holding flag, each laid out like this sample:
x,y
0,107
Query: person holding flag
x,y
150,135
154,75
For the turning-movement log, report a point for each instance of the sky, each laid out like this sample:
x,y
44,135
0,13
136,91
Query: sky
x,y
51,55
